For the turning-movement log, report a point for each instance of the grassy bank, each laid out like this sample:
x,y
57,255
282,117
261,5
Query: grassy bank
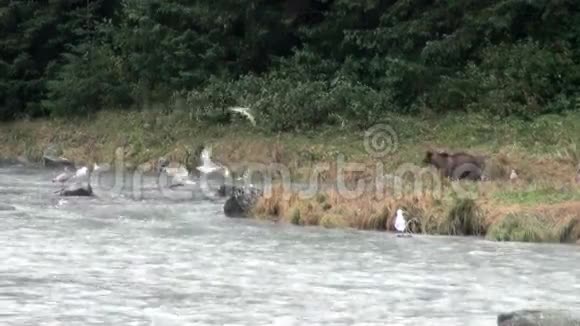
x,y
543,205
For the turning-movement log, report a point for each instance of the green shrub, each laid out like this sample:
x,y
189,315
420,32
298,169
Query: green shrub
x,y
524,79
86,83
285,104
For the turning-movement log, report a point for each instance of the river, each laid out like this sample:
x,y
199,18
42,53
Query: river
x,y
167,258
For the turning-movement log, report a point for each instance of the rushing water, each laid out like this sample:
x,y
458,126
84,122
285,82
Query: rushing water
x,y
170,259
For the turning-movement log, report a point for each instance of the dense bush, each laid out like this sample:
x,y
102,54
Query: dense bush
x,y
284,102
298,64
524,78
88,81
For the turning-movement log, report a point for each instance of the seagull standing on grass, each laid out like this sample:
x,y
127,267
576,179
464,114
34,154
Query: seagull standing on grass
x,y
245,112
513,175
400,223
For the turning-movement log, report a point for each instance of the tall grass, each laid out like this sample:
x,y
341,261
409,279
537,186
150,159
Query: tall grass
x,y
424,213
465,218
533,227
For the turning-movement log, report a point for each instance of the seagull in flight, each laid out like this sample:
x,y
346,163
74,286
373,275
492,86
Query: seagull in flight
x,y
208,166
245,112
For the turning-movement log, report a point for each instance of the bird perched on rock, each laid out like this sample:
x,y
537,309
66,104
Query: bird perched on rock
x,y
64,176
77,184
227,188
81,174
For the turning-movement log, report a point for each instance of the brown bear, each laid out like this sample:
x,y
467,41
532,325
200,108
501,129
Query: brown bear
x,y
457,165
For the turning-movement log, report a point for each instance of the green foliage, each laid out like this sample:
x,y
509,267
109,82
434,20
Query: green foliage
x,y
298,64
282,104
532,228
524,78
546,194
86,83
33,35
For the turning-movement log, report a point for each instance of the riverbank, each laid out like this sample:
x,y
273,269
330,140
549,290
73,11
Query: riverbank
x,y
543,205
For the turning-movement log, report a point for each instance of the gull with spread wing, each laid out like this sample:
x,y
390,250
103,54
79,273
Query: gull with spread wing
x,y
179,176
208,166
245,112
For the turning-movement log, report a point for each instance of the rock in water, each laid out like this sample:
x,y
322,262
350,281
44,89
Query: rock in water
x,y
232,208
50,161
51,157
538,318
241,201
77,191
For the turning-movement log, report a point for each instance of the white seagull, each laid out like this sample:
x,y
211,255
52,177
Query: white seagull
x,y
513,175
245,112
81,173
400,223
80,176
208,166
179,175
64,176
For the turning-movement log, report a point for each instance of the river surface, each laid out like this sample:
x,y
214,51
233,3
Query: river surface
x,y
170,258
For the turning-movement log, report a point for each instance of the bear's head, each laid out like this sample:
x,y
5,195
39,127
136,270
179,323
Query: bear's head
x,y
438,159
